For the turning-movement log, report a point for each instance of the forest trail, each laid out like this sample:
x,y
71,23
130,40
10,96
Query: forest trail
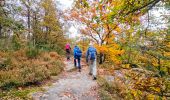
x,y
71,85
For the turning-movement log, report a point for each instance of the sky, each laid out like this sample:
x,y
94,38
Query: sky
x,y
73,31
64,5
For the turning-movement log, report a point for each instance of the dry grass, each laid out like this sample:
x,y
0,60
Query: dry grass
x,y
17,69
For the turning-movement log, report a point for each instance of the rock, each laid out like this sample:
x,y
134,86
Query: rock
x,y
109,78
134,66
138,70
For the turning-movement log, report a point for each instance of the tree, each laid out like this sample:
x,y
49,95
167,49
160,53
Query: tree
x,y
27,4
51,27
103,19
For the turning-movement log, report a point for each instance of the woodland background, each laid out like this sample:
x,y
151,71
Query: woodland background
x,y
127,35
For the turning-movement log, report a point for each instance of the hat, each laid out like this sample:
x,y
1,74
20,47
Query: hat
x,y
90,44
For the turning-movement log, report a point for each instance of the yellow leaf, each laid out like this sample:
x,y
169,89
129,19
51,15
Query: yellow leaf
x,y
157,89
118,29
150,97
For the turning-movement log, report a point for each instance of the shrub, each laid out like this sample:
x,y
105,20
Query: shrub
x,y
9,79
16,45
59,50
24,71
52,47
105,95
31,74
5,63
32,52
109,90
56,68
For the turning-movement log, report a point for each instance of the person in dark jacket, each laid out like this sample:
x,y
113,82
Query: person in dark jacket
x,y
77,57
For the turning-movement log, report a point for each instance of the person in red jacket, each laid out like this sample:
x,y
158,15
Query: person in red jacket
x,y
68,50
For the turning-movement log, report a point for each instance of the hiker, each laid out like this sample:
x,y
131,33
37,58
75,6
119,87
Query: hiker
x,y
91,56
68,50
77,57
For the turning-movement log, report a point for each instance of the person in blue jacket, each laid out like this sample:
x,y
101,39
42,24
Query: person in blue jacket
x,y
91,58
77,57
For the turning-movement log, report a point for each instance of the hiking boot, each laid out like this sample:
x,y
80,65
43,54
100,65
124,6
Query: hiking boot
x,y
79,70
90,73
94,78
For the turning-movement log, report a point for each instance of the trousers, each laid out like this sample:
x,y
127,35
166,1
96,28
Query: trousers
x,y
93,67
75,62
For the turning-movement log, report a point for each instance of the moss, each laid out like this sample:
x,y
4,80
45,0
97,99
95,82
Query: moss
x,y
22,94
10,85
16,94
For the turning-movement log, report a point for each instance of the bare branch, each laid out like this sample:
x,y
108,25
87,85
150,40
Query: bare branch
x,y
151,4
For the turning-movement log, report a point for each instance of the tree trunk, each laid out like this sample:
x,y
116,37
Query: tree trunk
x,y
46,34
29,26
101,58
129,53
28,22
159,64
0,30
47,30
34,38
168,70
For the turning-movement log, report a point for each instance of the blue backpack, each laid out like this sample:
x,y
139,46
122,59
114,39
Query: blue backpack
x,y
92,53
78,52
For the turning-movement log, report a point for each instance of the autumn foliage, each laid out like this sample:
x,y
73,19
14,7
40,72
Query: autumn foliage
x,y
116,29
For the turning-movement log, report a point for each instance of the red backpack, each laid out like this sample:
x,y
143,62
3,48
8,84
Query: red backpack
x,y
67,46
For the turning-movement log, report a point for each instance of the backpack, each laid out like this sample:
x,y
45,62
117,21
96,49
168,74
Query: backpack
x,y
67,47
92,53
78,52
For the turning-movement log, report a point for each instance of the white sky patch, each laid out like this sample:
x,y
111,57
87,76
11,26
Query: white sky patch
x,y
65,4
73,32
156,18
